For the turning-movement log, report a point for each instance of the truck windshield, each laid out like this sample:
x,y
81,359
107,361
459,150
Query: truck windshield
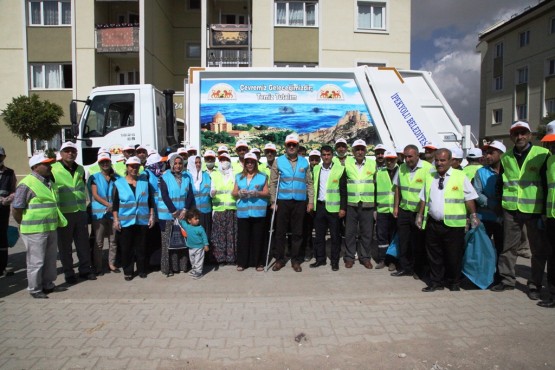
x,y
108,113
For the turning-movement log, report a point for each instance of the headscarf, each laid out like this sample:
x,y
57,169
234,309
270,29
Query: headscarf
x,y
172,160
156,168
195,175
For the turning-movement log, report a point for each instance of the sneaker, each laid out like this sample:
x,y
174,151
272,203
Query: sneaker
x,y
391,267
197,276
380,265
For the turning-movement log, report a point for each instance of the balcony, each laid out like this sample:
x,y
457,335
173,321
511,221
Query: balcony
x,y
230,45
117,38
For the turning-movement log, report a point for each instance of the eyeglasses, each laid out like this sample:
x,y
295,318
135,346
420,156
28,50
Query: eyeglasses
x,y
292,145
440,185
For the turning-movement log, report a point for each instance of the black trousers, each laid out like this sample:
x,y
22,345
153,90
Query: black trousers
x,y
251,251
307,249
133,244
495,230
550,231
4,222
412,252
324,221
386,225
445,248
289,216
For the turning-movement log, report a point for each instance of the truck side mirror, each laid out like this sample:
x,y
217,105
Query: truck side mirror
x,y
73,118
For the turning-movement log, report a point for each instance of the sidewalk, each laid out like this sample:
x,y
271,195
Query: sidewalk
x,y
353,318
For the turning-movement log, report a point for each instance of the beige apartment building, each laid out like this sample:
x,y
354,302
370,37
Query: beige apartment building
x,y
60,49
517,71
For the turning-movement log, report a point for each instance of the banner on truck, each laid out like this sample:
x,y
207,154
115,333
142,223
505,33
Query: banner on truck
x,y
266,110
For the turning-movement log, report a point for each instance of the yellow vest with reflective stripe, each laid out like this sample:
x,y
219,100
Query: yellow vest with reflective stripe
x,y
42,213
385,193
223,200
550,205
522,188
332,199
410,189
470,170
454,207
360,184
71,190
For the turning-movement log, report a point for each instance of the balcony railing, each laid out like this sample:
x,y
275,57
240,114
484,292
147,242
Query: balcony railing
x,y
117,38
228,58
229,46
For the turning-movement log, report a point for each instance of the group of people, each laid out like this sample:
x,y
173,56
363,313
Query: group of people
x,y
244,212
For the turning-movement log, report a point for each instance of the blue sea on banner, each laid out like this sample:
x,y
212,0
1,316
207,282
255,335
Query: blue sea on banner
x,y
300,118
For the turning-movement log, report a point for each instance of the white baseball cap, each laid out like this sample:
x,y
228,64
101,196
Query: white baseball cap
x,y
314,152
292,138
191,148
151,151
520,124
255,150
380,147
209,153
39,158
181,150
457,153
128,147
155,158
340,141
224,155
68,144
251,156
549,132
103,157
103,150
141,147
430,145
474,153
120,158
389,153
270,146
223,148
496,145
133,160
241,143
359,142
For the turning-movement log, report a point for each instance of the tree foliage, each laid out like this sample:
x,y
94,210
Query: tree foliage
x,y
27,117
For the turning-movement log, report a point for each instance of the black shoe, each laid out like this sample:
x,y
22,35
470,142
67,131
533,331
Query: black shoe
x,y
71,280
89,276
56,289
101,273
128,277
335,266
317,264
142,275
550,303
39,295
169,274
501,287
432,288
401,273
533,294
454,288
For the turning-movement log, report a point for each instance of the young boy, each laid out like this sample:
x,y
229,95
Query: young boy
x,y
196,240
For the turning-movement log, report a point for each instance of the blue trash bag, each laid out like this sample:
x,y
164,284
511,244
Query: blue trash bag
x,y
479,261
393,250
13,236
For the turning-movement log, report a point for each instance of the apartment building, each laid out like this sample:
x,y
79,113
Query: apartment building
x,y
60,49
517,71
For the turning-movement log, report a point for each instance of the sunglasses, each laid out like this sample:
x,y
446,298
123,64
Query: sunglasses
x,y
292,145
440,185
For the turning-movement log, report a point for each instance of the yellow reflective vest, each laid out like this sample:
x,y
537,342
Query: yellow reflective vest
x,y
332,197
71,189
454,207
223,200
410,189
42,213
550,204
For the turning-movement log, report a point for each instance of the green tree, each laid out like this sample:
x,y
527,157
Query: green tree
x,y
28,117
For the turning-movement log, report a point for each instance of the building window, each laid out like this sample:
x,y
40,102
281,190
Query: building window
x,y
522,111
371,15
498,83
552,26
497,116
550,70
524,38
233,19
522,75
193,50
194,4
295,64
49,13
498,50
296,13
51,76
550,106
129,78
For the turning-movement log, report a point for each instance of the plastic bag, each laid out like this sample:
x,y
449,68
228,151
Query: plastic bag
x,y
177,241
392,250
13,236
479,261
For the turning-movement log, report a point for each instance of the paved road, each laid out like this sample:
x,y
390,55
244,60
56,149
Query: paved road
x,y
354,318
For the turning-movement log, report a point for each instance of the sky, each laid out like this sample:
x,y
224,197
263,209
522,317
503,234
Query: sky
x,y
443,41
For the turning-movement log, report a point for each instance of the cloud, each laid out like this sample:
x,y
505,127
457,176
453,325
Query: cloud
x,y
445,44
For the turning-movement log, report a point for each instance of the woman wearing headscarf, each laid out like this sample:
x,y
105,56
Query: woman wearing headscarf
x,y
154,168
224,217
133,211
201,189
176,197
251,191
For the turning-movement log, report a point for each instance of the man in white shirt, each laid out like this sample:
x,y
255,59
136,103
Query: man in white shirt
x,y
445,199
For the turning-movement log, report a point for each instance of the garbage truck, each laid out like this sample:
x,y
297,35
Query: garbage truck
x,y
260,105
